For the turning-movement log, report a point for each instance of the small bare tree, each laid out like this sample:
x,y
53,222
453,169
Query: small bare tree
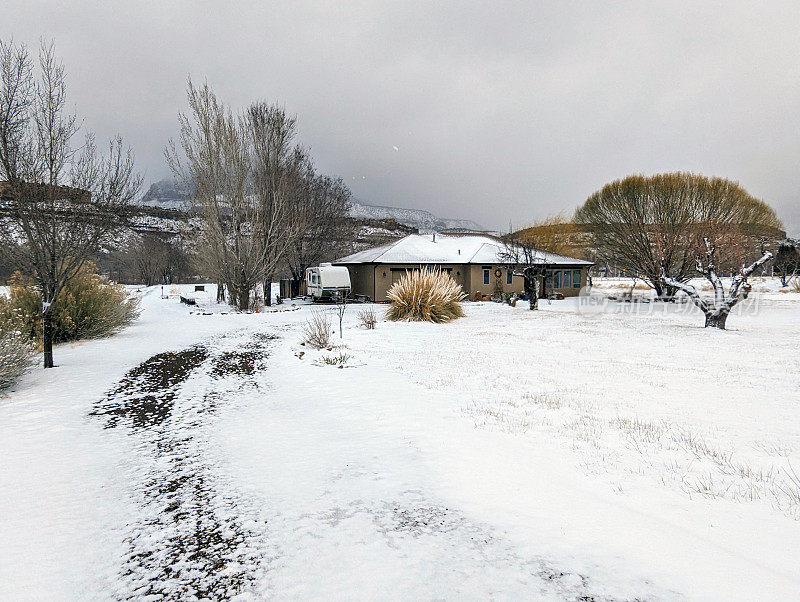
x,y
717,309
341,308
525,260
60,201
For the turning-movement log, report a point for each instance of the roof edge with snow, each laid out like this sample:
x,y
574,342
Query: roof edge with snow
x,y
447,249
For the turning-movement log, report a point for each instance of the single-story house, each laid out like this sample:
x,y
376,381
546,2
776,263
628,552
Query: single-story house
x,y
475,261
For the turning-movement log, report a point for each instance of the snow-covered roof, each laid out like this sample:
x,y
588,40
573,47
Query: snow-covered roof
x,y
447,249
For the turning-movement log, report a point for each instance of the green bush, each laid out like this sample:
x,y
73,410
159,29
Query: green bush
x,y
428,295
88,307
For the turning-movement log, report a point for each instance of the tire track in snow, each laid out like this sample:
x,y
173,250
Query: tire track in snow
x,y
195,535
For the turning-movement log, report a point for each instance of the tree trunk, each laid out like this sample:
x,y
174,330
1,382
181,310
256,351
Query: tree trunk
x,y
268,292
716,321
243,298
531,290
664,292
47,338
296,282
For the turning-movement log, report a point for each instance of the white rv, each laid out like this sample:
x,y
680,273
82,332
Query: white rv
x,y
327,281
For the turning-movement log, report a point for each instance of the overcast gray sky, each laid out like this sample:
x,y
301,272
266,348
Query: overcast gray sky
x,y
500,112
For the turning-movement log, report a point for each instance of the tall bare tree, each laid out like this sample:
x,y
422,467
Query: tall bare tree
x,y
325,229
239,169
278,171
60,200
217,164
649,226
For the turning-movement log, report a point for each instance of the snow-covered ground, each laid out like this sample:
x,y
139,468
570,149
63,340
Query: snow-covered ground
x,y
593,449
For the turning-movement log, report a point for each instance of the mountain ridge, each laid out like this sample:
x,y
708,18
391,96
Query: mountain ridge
x,y
164,194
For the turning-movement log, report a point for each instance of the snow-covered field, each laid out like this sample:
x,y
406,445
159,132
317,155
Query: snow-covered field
x,y
590,450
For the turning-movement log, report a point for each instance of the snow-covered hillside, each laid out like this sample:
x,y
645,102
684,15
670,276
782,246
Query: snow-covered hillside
x,y
416,218
165,195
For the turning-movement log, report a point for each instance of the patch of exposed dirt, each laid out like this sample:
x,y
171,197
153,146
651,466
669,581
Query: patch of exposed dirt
x,y
195,537
145,396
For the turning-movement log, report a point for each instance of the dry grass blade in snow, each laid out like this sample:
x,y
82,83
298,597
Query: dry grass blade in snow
x,y
426,295
317,330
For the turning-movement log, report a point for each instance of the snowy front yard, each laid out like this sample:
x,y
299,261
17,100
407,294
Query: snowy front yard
x,y
596,451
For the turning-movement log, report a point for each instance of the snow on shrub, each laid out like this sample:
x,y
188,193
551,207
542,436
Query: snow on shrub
x,y
317,331
15,356
88,307
428,295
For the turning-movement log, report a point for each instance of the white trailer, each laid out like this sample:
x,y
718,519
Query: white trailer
x,y
327,281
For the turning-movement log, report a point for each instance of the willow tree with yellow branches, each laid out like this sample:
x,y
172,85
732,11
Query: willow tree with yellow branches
x,y
657,227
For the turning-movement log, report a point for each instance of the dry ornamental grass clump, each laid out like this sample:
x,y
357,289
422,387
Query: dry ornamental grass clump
x,y
426,295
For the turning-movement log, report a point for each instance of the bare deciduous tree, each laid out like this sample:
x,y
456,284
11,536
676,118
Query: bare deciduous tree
x,y
156,260
787,261
60,201
558,234
217,167
526,260
278,173
240,170
717,308
321,214
341,309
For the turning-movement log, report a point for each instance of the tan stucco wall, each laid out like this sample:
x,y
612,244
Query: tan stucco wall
x,y
383,276
476,280
518,284
361,280
374,281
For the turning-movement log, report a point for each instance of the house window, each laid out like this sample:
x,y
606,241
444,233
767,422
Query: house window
x,y
576,279
567,279
509,277
486,276
557,279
